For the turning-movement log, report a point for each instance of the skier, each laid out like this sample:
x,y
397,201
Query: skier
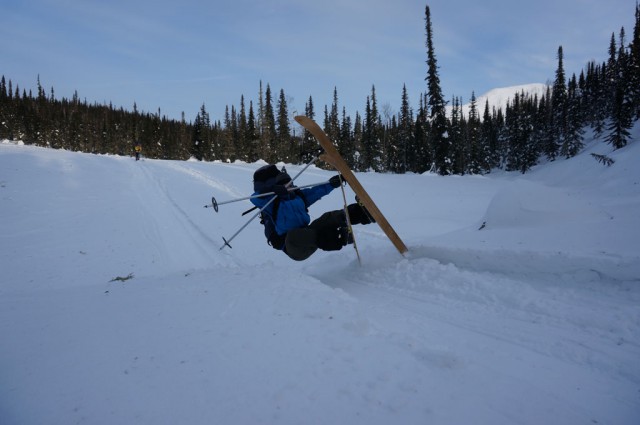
x,y
287,222
138,150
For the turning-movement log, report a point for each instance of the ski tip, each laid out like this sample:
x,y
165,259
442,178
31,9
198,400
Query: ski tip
x,y
303,119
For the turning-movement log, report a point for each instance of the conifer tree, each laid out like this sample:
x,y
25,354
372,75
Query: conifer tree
x,y
242,141
634,64
456,138
558,111
358,135
309,143
516,130
3,89
234,132
221,150
543,121
591,93
261,112
489,141
268,136
622,109
332,125
286,150
422,157
611,76
573,141
325,123
393,157
478,152
251,136
371,137
200,145
439,137
367,133
346,146
405,140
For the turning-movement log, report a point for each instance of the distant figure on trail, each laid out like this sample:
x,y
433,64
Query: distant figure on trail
x,y
287,222
138,150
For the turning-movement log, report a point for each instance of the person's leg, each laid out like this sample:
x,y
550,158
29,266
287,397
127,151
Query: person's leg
x,y
301,243
328,233
331,230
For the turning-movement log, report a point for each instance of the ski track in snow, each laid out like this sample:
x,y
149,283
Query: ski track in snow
x,y
549,295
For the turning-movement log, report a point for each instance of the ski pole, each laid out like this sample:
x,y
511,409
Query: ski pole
x,y
227,242
346,215
215,204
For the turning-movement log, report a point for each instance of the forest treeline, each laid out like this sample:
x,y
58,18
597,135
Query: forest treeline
x,y
604,97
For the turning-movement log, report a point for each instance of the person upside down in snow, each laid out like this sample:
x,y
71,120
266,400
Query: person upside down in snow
x,y
287,224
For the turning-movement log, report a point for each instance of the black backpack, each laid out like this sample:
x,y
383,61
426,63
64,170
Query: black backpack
x,y
264,179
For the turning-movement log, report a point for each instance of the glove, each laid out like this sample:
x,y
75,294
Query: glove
x,y
281,191
336,181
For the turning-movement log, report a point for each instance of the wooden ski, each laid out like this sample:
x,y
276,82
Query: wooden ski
x,y
332,157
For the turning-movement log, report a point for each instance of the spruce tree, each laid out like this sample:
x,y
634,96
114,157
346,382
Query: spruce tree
x,y
372,135
573,141
286,152
611,76
490,157
422,157
558,111
405,140
634,65
200,139
367,134
309,143
346,146
622,110
261,112
268,136
456,138
241,139
251,136
332,125
439,137
543,122
357,143
516,137
478,151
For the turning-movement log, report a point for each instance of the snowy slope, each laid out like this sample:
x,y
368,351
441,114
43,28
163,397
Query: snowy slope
x,y
499,98
533,319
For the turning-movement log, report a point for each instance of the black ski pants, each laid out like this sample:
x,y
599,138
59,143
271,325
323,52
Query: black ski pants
x,y
323,233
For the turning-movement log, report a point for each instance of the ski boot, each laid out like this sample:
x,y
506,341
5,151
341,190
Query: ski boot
x,y
359,214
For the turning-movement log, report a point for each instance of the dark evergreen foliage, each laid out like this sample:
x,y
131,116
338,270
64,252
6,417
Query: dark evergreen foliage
x,y
372,135
603,159
438,134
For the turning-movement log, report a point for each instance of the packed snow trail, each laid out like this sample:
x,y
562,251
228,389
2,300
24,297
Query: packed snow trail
x,y
533,319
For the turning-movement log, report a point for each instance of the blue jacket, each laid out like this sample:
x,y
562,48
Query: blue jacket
x,y
292,211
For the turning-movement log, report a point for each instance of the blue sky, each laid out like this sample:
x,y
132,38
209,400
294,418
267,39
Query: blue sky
x,y
177,55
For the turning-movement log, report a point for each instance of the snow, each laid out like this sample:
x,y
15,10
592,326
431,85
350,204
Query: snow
x,y
517,303
499,97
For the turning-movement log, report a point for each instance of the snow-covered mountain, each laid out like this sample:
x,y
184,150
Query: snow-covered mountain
x,y
516,303
499,97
